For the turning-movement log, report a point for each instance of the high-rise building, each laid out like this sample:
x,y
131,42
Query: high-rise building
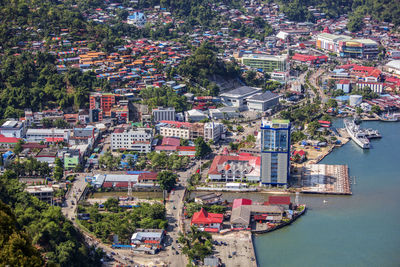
x,y
102,102
275,152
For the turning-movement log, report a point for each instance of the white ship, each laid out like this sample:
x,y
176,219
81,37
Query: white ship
x,y
358,136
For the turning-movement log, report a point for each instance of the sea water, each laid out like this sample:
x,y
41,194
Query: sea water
x,y
358,230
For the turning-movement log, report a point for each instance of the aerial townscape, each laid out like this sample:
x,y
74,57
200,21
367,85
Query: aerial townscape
x,y
199,133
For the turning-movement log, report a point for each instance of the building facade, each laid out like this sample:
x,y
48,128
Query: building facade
x,y
135,140
47,135
275,152
163,114
268,63
213,131
12,129
345,46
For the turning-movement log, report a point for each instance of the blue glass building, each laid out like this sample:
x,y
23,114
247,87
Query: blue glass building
x,y
275,152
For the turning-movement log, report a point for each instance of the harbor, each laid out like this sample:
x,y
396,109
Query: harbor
x,y
343,223
326,179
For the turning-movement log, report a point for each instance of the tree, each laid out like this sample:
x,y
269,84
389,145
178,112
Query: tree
x,y
359,110
355,23
111,204
167,180
58,169
312,127
18,147
202,148
332,103
184,142
251,138
197,244
376,109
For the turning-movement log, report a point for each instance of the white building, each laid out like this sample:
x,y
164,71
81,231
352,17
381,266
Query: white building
x,y
136,140
262,101
194,115
393,67
163,114
237,97
47,135
213,131
355,100
180,131
12,129
138,19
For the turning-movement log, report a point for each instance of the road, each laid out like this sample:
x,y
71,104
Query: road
x,y
175,216
73,195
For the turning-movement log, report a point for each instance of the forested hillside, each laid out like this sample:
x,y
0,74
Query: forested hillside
x,y
51,233
382,10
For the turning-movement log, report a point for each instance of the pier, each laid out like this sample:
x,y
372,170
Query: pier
x,y
326,179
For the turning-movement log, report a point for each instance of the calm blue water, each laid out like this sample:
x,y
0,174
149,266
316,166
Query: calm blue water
x,y
358,230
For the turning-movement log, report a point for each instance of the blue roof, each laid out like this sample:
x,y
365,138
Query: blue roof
x,y
342,98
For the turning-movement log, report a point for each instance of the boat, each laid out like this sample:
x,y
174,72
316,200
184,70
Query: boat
x,y
389,117
357,135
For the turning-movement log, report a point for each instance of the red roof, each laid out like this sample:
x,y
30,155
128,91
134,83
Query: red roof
x,y
186,148
54,139
344,82
170,141
241,201
212,230
300,152
148,176
218,160
326,30
10,140
279,200
177,123
166,148
118,130
203,217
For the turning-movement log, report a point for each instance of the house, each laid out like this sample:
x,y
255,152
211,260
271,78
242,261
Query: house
x,y
151,237
209,222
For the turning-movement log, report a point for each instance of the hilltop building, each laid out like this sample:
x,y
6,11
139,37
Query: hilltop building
x,y
267,63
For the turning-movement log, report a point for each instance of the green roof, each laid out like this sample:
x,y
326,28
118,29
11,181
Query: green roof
x,y
280,121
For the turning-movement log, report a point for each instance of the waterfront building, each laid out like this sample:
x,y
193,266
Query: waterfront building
x,y
205,221
275,152
268,63
163,114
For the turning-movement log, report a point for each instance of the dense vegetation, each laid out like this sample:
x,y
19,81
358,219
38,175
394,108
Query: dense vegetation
x,y
382,10
121,221
49,230
204,64
32,81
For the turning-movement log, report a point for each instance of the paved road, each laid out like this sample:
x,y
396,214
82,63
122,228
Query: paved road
x,y
73,195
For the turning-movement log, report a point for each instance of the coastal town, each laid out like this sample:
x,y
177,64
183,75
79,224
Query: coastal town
x,y
173,143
